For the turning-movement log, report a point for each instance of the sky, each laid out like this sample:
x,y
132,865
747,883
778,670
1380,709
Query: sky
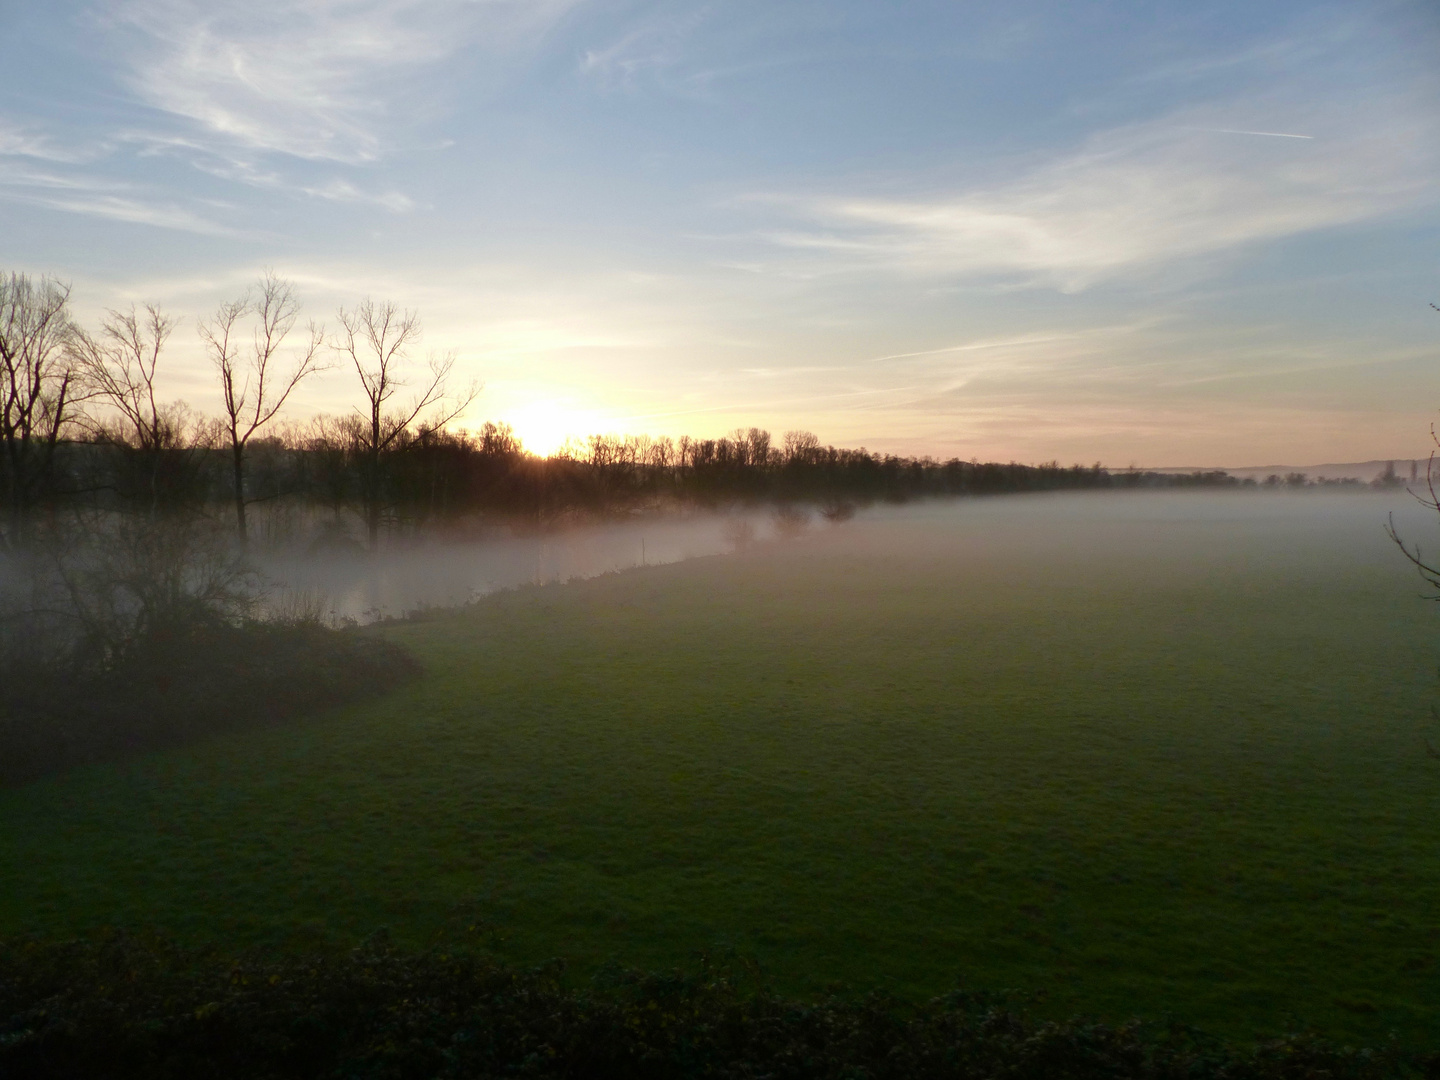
x,y
1161,234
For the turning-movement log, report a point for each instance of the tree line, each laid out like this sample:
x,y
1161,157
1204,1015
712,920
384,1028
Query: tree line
x,y
83,424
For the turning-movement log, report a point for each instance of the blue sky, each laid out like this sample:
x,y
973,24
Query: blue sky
x,y
1159,233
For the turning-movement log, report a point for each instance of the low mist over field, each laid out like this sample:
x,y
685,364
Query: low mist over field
x,y
1199,532
348,582
1144,751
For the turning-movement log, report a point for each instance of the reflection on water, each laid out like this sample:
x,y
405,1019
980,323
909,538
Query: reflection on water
x,y
1197,531
353,584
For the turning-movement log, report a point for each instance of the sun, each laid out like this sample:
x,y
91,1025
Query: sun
x,y
543,426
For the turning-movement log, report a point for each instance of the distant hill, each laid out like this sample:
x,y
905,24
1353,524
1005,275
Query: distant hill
x,y
1356,470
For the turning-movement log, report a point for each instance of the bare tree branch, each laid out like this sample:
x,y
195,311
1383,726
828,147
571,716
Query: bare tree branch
x,y
251,392
37,394
377,339
120,367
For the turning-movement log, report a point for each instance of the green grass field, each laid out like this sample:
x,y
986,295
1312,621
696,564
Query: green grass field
x,y
1157,758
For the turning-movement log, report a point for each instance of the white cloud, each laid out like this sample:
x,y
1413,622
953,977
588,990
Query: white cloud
x,y
344,191
115,201
122,208
654,46
247,170
325,80
1139,195
23,140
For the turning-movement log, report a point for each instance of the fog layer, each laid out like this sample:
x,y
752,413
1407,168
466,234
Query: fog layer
x,y
1202,529
350,583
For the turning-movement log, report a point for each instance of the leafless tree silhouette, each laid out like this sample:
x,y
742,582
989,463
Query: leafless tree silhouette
x,y
252,392
38,391
377,339
119,368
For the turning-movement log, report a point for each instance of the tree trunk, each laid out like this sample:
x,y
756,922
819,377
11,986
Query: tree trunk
x,y
372,520
372,494
238,454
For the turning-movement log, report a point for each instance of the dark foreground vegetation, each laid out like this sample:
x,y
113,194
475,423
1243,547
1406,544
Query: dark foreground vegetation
x,y
123,1007
184,682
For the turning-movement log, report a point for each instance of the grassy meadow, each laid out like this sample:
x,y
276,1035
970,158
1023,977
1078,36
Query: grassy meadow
x,y
1156,754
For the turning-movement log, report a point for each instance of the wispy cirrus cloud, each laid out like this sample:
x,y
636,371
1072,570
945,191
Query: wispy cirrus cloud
x,y
300,97
132,211
296,97
99,198
322,80
254,172
656,45
39,169
25,141
1184,185
344,191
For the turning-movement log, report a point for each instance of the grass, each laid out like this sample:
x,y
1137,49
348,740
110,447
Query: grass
x,y
1165,762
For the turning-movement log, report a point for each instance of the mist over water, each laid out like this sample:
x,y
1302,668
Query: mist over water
x,y
1145,531
425,573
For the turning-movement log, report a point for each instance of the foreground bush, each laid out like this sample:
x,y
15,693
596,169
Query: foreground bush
x,y
183,681
126,1008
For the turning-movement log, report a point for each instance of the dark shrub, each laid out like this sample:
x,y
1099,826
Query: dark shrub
x,y
184,680
121,1007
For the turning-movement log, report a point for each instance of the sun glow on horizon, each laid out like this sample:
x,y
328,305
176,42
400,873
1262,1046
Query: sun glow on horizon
x,y
543,427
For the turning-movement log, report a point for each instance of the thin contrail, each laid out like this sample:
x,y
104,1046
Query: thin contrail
x,y
1272,134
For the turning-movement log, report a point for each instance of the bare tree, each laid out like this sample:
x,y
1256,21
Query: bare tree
x,y
119,368
121,365
378,339
801,448
252,392
1429,568
37,394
